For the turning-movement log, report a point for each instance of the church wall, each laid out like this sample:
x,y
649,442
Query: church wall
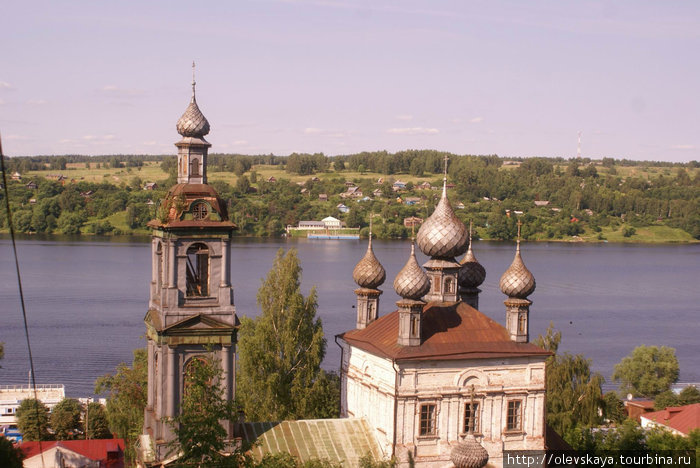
x,y
367,391
447,385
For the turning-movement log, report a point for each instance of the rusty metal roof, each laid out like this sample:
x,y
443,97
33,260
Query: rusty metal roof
x,y
343,440
448,331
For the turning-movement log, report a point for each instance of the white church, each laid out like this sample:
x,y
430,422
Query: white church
x,y
435,381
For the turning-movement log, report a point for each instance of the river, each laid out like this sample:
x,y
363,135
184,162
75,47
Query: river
x,y
86,298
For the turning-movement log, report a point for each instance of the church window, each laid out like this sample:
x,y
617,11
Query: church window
x,y
448,285
414,326
370,311
436,284
197,282
428,416
514,417
200,210
468,417
194,167
521,323
159,260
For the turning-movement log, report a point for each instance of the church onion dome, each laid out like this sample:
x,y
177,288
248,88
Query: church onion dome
x,y
193,123
517,281
368,272
412,282
472,273
469,453
443,234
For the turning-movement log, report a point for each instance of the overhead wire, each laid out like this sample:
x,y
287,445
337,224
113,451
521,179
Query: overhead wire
x,y
21,295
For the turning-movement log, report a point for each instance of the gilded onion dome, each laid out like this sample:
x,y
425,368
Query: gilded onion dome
x,y
442,234
472,273
469,453
368,272
193,123
517,281
412,282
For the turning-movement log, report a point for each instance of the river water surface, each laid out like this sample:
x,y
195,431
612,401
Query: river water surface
x,y
86,298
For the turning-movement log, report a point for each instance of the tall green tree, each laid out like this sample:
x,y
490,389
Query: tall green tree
x,y
66,419
33,420
574,394
280,352
96,424
647,371
126,400
200,436
10,456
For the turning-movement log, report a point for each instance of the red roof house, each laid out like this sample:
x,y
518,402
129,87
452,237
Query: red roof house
x,y
678,419
105,453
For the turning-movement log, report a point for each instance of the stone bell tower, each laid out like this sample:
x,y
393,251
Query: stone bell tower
x,y
191,311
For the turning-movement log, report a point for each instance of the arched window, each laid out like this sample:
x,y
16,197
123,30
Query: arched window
x,y
159,259
370,311
522,320
197,283
196,372
194,167
449,285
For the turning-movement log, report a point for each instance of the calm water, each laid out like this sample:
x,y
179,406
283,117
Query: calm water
x,y
86,299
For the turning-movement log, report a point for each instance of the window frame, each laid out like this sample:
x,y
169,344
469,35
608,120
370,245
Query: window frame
x,y
477,421
514,414
427,421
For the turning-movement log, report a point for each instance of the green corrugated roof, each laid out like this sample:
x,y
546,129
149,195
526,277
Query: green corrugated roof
x,y
340,440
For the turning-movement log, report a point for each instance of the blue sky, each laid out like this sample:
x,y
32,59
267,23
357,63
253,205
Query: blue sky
x,y
511,78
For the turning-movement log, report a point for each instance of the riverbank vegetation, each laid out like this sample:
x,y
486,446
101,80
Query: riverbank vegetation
x,y
557,199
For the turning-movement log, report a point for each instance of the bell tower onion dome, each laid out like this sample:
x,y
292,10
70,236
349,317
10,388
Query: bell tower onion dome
x,y
517,282
368,272
412,282
193,123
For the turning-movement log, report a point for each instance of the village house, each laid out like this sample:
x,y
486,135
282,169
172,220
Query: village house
x,y
679,420
32,185
412,221
323,196
150,186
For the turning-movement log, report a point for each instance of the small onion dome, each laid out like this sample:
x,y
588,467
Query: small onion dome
x,y
193,123
472,274
517,281
469,453
412,282
368,272
443,234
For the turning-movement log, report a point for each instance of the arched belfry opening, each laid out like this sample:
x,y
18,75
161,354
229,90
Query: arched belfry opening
x,y
197,280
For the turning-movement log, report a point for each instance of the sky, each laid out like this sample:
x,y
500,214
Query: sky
x,y
512,78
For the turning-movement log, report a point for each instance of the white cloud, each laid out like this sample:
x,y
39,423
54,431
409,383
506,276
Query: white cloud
x,y
5,85
312,131
150,143
413,131
240,142
683,147
476,120
116,91
107,137
17,137
404,117
320,131
37,102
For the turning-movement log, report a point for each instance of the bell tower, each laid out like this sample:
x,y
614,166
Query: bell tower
x,y
191,311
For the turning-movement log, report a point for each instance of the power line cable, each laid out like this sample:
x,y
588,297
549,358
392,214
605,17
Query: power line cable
x,y
21,294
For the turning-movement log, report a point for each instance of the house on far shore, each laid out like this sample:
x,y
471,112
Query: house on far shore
x,y
323,196
412,221
150,186
32,185
342,208
16,176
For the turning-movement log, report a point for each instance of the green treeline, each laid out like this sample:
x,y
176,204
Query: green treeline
x,y
578,199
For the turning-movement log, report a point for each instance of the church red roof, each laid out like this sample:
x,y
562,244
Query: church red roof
x,y
448,330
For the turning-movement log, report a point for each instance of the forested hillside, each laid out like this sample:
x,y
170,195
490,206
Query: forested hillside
x,y
577,199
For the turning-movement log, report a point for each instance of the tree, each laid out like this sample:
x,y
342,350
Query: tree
x,y
574,396
126,399
10,456
687,396
613,408
647,371
65,419
280,352
33,420
96,424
